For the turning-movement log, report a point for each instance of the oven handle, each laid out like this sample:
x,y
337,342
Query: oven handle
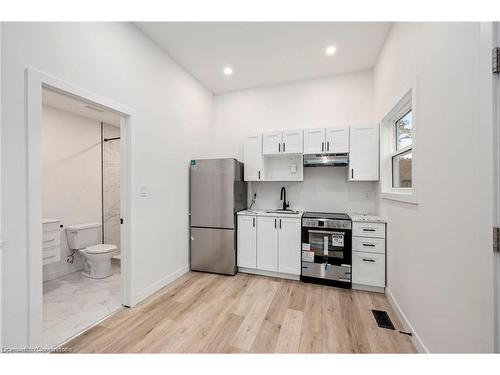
x,y
323,231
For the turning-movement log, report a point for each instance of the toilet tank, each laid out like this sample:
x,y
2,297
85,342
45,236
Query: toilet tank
x,y
83,235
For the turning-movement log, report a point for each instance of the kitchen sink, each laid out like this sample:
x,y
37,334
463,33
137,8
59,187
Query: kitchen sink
x,y
289,212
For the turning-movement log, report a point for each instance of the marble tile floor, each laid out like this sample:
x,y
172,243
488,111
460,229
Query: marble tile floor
x,y
74,302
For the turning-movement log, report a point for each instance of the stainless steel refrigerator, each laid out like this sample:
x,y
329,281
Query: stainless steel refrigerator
x,y
217,193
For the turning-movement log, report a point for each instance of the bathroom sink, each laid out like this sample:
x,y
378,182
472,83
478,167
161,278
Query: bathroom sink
x,y
289,212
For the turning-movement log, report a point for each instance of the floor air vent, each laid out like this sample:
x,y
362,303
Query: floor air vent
x,y
383,319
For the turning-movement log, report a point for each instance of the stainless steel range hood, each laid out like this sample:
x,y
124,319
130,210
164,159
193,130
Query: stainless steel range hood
x,y
326,160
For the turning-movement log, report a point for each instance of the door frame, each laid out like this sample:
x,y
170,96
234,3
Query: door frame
x,y
496,174
35,82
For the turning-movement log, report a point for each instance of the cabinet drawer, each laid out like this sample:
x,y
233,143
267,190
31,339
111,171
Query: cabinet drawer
x,y
50,226
368,229
368,269
51,255
50,239
369,245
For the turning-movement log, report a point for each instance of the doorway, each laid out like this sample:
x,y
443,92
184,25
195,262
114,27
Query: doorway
x,y
81,211
110,224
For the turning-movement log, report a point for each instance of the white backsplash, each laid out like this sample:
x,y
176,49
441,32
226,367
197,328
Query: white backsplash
x,y
324,189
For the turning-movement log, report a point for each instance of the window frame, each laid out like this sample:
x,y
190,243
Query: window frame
x,y
389,150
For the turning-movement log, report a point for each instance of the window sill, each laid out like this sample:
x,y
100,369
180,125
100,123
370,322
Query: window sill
x,y
409,197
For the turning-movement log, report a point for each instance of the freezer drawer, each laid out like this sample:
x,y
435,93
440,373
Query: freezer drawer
x,y
213,250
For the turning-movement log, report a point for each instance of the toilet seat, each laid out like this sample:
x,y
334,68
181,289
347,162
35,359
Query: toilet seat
x,y
100,249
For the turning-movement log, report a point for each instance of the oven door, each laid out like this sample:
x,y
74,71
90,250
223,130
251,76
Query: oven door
x,y
329,246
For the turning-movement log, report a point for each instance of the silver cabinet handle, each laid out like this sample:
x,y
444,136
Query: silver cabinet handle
x,y
369,260
283,146
369,245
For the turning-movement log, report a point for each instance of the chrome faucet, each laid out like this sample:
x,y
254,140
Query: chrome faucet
x,y
283,198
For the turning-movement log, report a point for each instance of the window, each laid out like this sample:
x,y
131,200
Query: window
x,y
402,152
397,146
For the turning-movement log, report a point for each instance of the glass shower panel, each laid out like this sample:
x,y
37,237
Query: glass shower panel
x,y
111,185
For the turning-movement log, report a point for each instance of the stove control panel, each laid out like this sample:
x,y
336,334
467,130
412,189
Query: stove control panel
x,y
326,223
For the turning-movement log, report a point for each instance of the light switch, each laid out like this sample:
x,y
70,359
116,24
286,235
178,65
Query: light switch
x,y
143,190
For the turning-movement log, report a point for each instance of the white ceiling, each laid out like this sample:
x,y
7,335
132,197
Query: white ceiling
x,y
267,53
79,107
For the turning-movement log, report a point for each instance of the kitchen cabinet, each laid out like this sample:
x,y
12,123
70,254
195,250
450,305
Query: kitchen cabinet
x,y
314,141
271,143
289,246
330,140
337,140
363,153
368,255
293,141
267,243
282,142
253,159
247,241
368,269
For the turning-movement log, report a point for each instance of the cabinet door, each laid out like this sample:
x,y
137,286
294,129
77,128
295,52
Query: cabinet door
x,y
292,142
368,269
314,141
364,153
252,157
272,143
267,243
289,247
337,140
247,241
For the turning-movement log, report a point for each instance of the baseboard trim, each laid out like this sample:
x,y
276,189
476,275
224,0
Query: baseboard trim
x,y
269,273
148,291
368,288
415,338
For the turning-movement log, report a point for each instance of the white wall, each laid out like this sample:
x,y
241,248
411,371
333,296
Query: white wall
x,y
171,120
336,101
439,258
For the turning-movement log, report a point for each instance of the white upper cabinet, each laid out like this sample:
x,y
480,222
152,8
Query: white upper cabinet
x,y
247,241
289,248
364,153
292,141
337,140
253,158
282,142
272,143
314,141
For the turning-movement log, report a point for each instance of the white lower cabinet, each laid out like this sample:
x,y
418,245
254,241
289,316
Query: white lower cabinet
x,y
368,269
247,241
269,243
289,246
368,256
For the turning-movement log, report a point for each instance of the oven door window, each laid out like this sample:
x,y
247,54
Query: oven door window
x,y
331,244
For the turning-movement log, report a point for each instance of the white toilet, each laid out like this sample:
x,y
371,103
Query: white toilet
x,y
86,238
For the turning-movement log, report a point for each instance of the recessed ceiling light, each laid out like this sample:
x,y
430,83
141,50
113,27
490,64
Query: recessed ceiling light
x,y
228,71
330,50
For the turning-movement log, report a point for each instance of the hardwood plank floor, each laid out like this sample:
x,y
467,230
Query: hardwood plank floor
x,y
207,313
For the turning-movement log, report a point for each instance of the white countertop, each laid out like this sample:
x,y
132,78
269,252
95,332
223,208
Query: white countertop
x,y
367,218
266,213
46,220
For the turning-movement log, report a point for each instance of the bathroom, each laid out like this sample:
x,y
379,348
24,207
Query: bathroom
x,y
81,216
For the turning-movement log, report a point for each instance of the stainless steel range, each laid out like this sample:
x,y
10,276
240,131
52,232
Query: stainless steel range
x,y
326,249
